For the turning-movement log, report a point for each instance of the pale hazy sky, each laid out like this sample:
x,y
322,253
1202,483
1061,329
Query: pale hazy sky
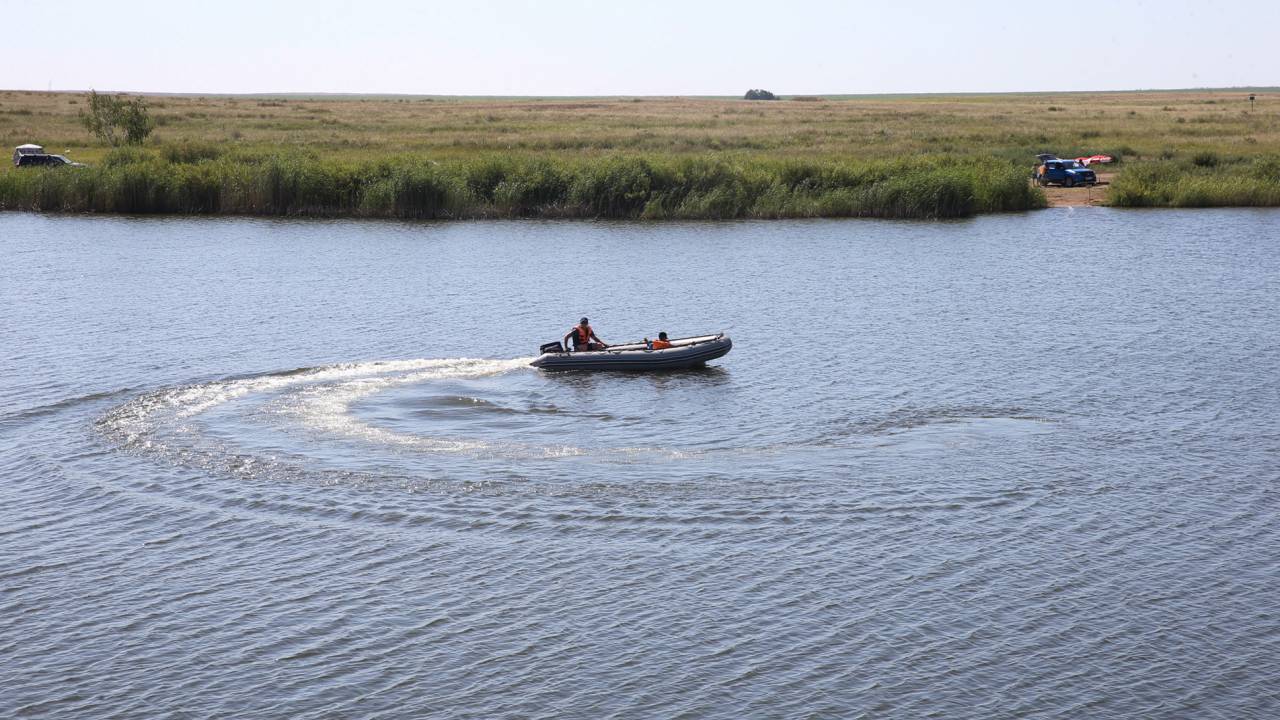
x,y
659,47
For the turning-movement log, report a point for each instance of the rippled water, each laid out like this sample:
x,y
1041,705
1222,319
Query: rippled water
x,y
1020,466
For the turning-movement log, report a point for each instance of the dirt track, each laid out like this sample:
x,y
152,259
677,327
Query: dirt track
x,y
1079,196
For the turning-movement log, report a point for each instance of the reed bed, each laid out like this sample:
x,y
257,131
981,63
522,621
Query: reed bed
x,y
703,187
1204,180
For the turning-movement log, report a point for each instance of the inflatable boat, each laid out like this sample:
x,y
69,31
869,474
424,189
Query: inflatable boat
x,y
683,353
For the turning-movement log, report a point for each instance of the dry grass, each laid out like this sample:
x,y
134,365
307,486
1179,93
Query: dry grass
x,y
1144,125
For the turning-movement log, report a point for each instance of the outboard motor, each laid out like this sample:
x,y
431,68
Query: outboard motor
x,y
551,347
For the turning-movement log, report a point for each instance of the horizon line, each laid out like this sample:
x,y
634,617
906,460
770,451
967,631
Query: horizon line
x,y
708,96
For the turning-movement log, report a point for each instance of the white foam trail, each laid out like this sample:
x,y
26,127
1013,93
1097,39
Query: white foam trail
x,y
321,399
191,400
328,408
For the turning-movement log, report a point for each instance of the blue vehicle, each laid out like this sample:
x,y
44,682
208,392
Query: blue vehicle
x,y
1067,173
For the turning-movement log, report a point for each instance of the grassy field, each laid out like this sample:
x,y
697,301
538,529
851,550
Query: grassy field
x,y
903,156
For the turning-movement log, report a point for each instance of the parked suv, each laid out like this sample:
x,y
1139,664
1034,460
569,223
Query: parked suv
x,y
1067,173
46,161
35,156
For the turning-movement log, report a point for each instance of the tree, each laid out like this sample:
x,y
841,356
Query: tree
x,y
759,95
117,119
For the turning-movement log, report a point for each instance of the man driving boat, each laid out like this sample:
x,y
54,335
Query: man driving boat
x,y
582,336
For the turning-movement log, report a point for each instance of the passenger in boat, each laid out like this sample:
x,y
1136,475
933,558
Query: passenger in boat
x,y
662,343
582,335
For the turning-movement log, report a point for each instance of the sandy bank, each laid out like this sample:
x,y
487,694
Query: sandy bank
x,y
1079,196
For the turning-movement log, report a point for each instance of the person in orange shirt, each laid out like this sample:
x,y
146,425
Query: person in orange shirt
x,y
582,335
662,343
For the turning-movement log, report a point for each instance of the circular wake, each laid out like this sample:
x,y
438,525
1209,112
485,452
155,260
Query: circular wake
x,y
424,423
484,423
295,415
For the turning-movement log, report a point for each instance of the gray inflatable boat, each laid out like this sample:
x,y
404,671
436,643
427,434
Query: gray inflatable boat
x,y
683,353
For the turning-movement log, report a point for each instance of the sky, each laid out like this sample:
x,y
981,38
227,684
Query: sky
x,y
655,47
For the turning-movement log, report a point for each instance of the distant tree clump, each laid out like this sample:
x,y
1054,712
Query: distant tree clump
x,y
759,95
116,119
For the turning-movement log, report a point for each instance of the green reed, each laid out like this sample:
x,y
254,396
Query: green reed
x,y
1204,180
203,179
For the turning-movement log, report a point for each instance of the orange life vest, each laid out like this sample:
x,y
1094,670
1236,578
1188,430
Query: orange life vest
x,y
584,334
661,344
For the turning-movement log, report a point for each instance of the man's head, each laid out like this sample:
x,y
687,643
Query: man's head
x,y
662,336
583,322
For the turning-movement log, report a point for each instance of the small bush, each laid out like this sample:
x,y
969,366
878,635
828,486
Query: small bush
x,y
1122,151
1265,168
618,188
414,190
534,189
191,152
1206,159
125,156
117,119
484,176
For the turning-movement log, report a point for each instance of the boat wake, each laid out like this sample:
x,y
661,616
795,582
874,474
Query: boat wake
x,y
218,423
307,424
483,423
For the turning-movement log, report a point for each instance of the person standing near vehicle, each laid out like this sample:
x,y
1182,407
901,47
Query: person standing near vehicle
x,y
582,336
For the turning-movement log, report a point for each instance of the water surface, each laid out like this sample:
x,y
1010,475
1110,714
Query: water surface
x,y
1018,466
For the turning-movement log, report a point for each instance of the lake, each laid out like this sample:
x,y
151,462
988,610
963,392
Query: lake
x,y
1016,466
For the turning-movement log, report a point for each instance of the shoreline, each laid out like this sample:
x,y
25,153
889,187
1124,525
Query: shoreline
x,y
651,158
567,219
1096,196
